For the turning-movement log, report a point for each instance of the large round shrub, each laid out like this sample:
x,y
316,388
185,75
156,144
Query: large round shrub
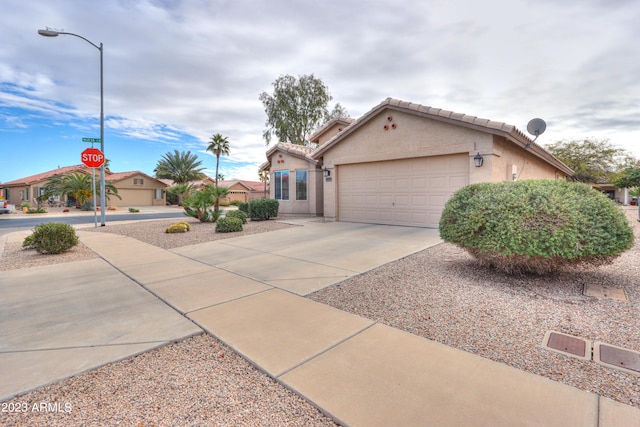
x,y
535,226
51,238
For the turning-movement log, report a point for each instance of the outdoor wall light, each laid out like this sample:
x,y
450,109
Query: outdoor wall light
x,y
478,160
326,172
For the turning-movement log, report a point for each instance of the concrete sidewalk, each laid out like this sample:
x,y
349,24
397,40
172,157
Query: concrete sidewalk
x,y
246,292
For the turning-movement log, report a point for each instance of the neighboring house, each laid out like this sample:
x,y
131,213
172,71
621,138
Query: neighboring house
x,y
399,164
135,188
620,195
239,190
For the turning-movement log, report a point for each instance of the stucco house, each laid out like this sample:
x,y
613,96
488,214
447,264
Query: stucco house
x,y
399,163
239,190
135,188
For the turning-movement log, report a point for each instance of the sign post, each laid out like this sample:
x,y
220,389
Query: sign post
x,y
93,158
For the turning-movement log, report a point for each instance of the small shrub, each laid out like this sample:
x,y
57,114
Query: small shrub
x,y
263,209
134,210
51,238
178,227
36,211
237,214
228,225
535,226
204,215
25,205
244,207
87,206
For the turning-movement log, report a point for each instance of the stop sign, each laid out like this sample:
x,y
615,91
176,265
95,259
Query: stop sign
x,y
92,157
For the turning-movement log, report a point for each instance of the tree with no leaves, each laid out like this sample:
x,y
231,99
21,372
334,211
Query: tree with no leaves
x,y
297,107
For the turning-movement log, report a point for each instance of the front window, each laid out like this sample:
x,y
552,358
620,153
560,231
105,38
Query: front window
x,y
158,192
281,179
301,185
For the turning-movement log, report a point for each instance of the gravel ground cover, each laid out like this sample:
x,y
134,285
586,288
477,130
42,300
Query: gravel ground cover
x,y
440,293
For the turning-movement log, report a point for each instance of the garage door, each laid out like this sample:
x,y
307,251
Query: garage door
x,y
408,192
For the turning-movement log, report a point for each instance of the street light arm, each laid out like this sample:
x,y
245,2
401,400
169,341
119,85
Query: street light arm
x,y
52,33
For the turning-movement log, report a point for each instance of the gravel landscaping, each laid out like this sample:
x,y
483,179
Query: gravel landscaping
x,y
440,293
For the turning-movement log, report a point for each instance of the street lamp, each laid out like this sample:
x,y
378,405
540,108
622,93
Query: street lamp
x,y
53,33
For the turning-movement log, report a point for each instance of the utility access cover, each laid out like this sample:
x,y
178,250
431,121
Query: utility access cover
x,y
568,345
617,357
602,291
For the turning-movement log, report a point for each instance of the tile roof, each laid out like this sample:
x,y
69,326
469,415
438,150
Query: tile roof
x,y
295,150
510,132
43,176
346,121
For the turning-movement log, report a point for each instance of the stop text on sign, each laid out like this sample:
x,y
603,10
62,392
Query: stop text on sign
x,y
92,157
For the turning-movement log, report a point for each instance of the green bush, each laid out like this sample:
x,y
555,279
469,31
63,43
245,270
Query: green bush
x,y
228,225
244,207
535,226
87,206
51,238
25,205
36,211
134,210
237,214
263,209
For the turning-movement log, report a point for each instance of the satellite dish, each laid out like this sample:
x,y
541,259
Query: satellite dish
x,y
535,127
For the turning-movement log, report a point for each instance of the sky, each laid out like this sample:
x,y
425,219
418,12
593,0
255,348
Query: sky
x,y
177,72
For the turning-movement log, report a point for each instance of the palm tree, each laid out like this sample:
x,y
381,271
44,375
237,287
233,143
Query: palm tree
x,y
218,145
77,185
179,166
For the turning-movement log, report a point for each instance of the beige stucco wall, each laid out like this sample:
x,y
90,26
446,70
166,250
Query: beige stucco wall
x,y
415,136
330,133
137,194
412,136
313,204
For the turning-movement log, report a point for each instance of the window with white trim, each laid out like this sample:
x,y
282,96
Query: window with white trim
x,y
281,185
301,185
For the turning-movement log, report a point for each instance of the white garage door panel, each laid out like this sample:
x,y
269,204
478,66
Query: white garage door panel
x,y
401,192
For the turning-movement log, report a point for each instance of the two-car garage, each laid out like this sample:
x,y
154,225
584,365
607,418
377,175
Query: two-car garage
x,y
409,192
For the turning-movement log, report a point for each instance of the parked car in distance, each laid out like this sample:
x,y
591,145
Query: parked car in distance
x,y
4,207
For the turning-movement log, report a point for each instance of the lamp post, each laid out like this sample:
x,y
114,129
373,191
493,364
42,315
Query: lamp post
x,y
53,33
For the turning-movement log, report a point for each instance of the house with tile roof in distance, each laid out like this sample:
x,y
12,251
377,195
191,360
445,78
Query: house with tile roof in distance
x,y
399,163
135,188
239,190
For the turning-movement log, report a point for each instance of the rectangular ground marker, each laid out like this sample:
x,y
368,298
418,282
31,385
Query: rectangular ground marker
x,y
602,291
567,345
617,357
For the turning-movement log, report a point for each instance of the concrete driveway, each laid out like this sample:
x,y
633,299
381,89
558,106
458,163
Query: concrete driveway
x,y
305,259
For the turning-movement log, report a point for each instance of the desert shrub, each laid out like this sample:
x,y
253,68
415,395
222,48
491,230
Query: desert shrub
x,y
36,211
25,205
134,210
535,226
87,206
244,207
263,209
228,225
237,214
178,227
51,238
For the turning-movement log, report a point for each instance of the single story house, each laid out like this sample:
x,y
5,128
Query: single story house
x,y
135,188
399,163
239,190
